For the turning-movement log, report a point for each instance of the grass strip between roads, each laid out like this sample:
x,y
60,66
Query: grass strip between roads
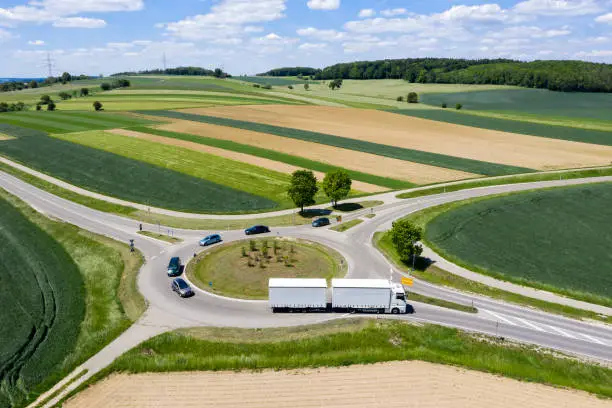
x,y
161,237
347,225
440,302
437,276
355,341
527,178
276,156
417,156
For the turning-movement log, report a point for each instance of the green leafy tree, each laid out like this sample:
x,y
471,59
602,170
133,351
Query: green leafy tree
x,y
337,185
290,86
97,106
458,106
335,84
306,86
51,106
33,84
4,107
66,77
64,95
38,106
405,237
303,188
105,86
413,97
45,100
400,99
84,91
444,105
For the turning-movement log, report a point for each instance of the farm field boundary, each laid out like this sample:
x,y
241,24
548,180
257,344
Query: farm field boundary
x,y
115,175
512,126
433,159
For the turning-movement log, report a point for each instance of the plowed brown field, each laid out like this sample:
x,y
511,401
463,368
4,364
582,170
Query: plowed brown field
x,y
422,134
349,159
241,157
410,384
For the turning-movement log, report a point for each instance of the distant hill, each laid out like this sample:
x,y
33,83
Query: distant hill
x,y
567,76
183,71
21,79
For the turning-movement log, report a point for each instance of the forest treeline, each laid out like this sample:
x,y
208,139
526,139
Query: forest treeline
x,y
186,71
567,76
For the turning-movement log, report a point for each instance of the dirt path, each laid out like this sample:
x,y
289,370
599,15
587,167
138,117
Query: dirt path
x,y
241,157
349,159
398,384
422,134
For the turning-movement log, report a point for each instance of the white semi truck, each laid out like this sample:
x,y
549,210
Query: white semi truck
x,y
347,295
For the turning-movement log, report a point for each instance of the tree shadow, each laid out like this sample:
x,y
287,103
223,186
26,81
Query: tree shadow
x,y
348,207
315,212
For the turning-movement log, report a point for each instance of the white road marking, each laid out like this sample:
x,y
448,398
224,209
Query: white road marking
x,y
593,339
499,317
562,332
154,257
528,323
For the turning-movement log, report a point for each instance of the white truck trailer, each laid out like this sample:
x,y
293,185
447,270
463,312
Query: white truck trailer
x,y
310,295
307,295
368,295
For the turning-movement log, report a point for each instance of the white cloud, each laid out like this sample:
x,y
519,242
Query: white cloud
x,y
394,12
312,46
228,19
323,4
529,32
274,39
253,29
322,35
559,7
594,53
5,35
485,12
365,13
79,22
606,18
36,42
45,11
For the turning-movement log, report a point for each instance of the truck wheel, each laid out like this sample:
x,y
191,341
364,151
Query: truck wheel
x,y
395,310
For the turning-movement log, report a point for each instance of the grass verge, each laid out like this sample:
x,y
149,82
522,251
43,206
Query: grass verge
x,y
359,342
161,237
441,303
347,225
417,156
241,269
566,175
437,276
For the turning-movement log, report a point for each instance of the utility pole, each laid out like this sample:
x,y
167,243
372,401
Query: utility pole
x,y
49,64
164,61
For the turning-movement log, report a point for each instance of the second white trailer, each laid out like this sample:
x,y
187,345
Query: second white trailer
x,y
368,294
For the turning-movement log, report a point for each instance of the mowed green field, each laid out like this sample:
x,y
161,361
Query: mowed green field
x,y
65,122
558,238
573,134
417,156
532,101
43,304
118,176
274,81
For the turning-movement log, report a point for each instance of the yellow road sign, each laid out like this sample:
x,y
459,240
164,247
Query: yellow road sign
x,y
407,281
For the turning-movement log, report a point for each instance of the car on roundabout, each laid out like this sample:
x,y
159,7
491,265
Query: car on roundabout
x,y
257,229
182,288
210,240
321,222
174,267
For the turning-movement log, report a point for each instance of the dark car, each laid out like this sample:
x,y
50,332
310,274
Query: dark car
x,y
181,287
211,239
174,267
257,229
320,222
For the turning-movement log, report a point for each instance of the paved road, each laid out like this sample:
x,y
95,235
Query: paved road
x,y
166,311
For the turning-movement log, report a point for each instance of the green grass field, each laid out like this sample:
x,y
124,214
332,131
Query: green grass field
x,y
118,176
274,81
440,160
531,101
513,126
276,156
231,275
338,344
69,286
257,181
554,238
65,122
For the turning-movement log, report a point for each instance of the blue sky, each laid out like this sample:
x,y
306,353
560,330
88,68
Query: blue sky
x,y
250,36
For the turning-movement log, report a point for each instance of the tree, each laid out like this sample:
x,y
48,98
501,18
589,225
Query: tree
x,y
33,84
413,97
4,107
66,77
105,86
84,91
306,87
337,185
405,237
303,188
444,105
400,99
97,106
51,106
45,100
64,96
335,84
290,86
458,106
38,106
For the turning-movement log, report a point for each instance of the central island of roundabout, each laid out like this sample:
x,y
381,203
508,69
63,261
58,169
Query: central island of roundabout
x,y
241,269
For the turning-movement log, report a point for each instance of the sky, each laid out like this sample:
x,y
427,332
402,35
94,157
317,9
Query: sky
x,y
249,36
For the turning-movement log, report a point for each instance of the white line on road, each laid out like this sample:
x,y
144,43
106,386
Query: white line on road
x,y
562,332
528,323
499,317
593,339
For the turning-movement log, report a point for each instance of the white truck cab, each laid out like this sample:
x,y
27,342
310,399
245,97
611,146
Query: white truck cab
x,y
398,299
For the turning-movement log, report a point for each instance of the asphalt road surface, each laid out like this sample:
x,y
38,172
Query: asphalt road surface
x,y
167,311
